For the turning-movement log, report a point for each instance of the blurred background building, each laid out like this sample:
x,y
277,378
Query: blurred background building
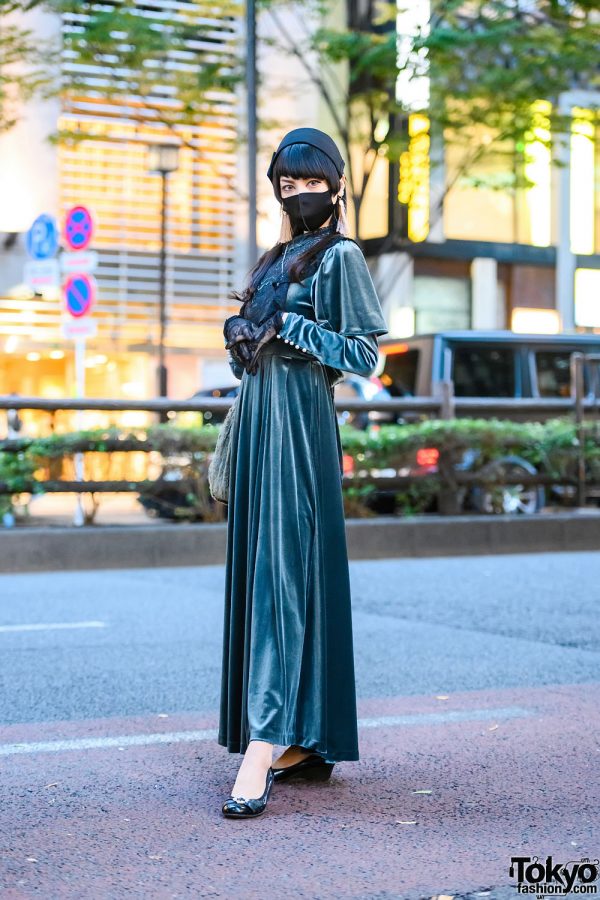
x,y
111,174
478,252
475,255
488,257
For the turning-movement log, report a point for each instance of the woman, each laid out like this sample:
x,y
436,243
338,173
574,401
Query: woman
x,y
310,312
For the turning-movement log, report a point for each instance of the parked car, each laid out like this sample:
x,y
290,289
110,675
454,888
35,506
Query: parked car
x,y
352,387
356,387
488,364
216,418
171,500
485,364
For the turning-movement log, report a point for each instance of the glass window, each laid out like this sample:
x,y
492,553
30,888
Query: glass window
x,y
374,207
479,204
591,380
553,373
399,375
483,372
487,199
441,303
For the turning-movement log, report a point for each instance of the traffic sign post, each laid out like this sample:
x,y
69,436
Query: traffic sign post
x,y
80,294
83,327
41,270
41,273
79,291
42,237
79,517
84,261
79,227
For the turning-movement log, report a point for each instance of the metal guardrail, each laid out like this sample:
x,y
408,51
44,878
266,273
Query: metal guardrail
x,y
578,361
446,407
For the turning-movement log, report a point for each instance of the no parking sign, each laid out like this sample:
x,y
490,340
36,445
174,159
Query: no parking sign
x,y
80,294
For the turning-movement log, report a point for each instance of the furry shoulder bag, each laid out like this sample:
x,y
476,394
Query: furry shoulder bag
x,y
218,470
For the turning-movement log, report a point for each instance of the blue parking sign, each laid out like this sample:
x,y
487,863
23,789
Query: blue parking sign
x,y
42,237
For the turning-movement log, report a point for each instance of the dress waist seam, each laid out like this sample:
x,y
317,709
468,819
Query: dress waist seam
x,y
286,351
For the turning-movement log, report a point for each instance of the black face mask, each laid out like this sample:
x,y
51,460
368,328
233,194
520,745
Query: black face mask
x,y
308,209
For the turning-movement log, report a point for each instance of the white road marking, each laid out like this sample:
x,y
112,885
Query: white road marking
x,y
47,626
126,740
457,715
210,734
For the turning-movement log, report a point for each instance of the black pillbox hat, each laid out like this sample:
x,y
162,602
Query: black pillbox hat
x,y
315,138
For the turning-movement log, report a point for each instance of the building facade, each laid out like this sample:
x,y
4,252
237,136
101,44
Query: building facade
x,y
102,162
469,257
472,250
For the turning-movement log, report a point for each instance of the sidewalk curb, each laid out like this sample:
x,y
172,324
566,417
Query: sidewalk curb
x,y
149,546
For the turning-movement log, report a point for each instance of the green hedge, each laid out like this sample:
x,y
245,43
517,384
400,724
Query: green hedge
x,y
552,447
552,444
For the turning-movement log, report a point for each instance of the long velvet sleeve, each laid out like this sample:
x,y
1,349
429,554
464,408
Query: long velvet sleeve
x,y
347,310
358,354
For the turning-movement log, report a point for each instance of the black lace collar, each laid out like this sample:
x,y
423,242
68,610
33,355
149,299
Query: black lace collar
x,y
318,233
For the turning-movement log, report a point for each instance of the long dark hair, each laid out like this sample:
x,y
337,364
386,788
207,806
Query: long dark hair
x,y
297,161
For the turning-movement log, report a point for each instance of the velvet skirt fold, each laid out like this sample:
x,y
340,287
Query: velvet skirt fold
x,y
288,662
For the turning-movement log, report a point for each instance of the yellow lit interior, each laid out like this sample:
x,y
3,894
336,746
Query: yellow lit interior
x,y
535,321
374,207
402,321
413,187
485,212
538,170
582,181
587,298
111,172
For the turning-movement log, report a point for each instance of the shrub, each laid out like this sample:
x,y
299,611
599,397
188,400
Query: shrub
x,y
552,447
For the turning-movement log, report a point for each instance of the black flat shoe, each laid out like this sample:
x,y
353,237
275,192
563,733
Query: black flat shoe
x,y
240,808
312,767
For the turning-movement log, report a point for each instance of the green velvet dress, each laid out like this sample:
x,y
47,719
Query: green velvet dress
x,y
288,662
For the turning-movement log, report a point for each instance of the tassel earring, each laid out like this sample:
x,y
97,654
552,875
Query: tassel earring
x,y
342,218
285,230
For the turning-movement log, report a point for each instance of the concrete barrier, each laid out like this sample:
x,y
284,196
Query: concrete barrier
x,y
117,547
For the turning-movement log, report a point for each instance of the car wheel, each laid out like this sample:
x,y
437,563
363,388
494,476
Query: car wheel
x,y
508,499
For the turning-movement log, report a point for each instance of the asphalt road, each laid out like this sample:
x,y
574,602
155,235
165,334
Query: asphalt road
x,y
478,682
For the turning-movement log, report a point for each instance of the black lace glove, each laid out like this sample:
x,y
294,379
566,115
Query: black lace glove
x,y
237,331
237,328
240,332
242,352
264,333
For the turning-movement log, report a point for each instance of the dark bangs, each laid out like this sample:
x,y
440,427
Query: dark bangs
x,y
304,161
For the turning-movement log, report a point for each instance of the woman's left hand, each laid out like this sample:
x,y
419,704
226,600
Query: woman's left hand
x,y
236,329
242,353
263,334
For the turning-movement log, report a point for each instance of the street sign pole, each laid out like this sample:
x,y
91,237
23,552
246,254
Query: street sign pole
x,y
79,517
80,293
